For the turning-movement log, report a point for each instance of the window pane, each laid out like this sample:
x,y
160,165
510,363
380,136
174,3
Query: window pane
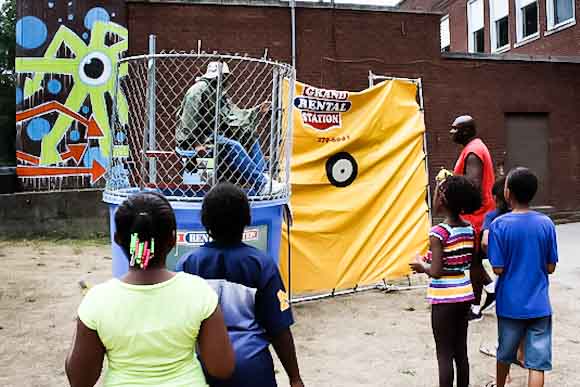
x,y
530,14
563,10
476,15
445,37
478,41
502,31
499,9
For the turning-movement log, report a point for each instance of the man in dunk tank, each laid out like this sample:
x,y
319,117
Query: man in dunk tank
x,y
237,129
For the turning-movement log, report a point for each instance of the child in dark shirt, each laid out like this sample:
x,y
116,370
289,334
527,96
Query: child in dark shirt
x,y
250,289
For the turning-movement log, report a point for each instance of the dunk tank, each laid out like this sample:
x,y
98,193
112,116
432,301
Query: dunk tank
x,y
183,123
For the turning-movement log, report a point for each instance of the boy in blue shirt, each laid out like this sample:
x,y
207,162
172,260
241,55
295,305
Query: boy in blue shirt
x,y
251,293
523,252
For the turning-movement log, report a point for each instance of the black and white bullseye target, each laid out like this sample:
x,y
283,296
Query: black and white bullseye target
x,y
341,169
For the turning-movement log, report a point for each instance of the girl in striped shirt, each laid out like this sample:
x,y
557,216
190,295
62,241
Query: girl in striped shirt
x,y
452,245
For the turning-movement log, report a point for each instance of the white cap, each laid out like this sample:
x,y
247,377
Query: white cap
x,y
212,71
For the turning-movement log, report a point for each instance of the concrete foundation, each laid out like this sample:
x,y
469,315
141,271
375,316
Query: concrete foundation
x,y
71,214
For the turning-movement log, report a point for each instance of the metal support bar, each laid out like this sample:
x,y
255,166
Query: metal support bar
x,y
113,121
152,108
293,22
381,286
273,114
217,122
425,149
289,135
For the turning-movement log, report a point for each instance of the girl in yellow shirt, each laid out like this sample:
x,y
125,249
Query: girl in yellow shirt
x,y
149,323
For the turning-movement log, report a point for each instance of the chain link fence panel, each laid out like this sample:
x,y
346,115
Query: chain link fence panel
x,y
194,120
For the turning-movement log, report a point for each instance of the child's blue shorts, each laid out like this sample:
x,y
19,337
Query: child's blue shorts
x,y
537,336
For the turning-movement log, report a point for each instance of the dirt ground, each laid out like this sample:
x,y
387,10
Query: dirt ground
x,y
367,339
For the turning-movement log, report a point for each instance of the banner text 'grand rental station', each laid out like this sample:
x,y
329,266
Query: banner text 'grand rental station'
x,y
358,186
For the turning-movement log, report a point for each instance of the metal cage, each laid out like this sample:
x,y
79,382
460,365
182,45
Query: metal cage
x,y
185,122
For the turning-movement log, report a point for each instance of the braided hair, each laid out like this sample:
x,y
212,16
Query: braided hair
x,y
148,216
460,195
225,213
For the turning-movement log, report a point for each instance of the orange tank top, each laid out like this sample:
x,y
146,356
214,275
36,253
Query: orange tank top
x,y
478,148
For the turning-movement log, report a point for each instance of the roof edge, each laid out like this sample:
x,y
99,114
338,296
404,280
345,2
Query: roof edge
x,y
512,57
286,4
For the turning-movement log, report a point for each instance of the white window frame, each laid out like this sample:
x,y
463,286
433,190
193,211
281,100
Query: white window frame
x,y
470,21
443,19
550,26
520,4
493,31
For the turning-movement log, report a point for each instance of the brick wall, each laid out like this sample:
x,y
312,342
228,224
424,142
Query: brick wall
x,y
337,48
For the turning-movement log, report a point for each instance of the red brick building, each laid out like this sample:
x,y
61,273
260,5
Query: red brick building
x,y
534,27
526,107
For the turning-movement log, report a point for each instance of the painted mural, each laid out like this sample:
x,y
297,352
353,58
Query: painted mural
x,y
67,59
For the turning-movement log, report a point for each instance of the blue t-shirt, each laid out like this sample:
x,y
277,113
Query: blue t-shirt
x,y
523,245
489,217
254,303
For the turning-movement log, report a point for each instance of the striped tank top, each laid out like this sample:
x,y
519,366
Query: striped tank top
x,y
458,248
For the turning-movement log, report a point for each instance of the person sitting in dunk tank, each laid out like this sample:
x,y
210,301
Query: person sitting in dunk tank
x,y
196,132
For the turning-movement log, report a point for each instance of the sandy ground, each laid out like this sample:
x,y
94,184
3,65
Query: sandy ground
x,y
367,339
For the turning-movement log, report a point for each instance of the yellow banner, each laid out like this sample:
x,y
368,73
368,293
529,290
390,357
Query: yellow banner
x,y
359,186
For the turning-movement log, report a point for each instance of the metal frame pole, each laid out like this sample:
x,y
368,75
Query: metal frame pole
x,y
113,120
289,137
293,22
217,122
152,108
425,148
273,125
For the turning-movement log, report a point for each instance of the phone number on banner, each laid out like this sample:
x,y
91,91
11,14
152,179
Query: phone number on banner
x,y
333,139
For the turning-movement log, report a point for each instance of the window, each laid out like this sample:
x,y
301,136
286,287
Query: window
x,y
527,19
479,41
499,11
475,26
445,36
530,13
560,12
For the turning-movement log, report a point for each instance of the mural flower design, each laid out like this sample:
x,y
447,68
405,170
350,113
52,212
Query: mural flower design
x,y
93,69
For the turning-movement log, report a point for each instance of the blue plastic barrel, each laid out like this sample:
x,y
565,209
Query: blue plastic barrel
x,y
264,232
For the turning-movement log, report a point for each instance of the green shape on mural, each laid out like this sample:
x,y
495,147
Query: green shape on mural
x,y
121,151
93,69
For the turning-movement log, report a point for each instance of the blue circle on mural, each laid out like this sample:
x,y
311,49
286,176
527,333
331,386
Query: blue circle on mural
x,y
31,32
96,14
70,16
54,86
37,129
85,109
94,153
51,4
85,35
19,95
75,135
120,137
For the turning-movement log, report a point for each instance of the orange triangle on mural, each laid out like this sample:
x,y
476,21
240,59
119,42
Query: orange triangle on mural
x,y
77,151
93,129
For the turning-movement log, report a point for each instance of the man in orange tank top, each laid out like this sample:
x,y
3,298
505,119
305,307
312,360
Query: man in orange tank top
x,y
475,163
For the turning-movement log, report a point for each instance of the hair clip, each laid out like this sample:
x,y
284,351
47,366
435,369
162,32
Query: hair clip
x,y
140,253
133,247
149,253
145,257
